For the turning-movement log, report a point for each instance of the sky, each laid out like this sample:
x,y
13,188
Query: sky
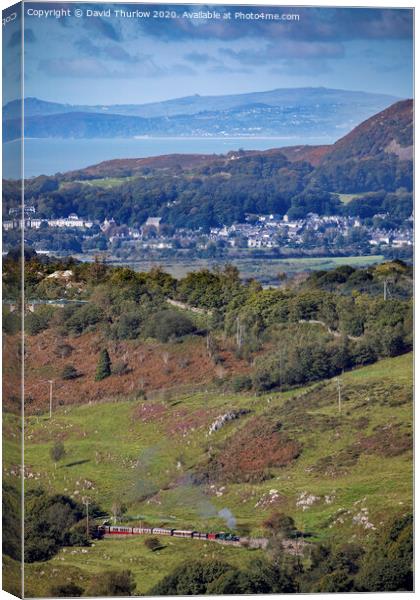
x,y
113,59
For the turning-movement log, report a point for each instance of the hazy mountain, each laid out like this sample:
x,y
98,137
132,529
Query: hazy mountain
x,y
389,132
298,112
377,154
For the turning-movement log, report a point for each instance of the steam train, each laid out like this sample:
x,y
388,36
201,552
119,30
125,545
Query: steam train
x,y
184,533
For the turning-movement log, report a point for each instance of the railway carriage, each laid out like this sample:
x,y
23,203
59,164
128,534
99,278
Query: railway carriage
x,y
120,530
182,533
142,530
162,531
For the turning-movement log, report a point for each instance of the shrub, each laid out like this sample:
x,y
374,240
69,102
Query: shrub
x,y
40,320
279,523
69,372
83,318
64,350
127,326
152,544
120,368
66,590
11,323
191,578
113,583
57,452
242,383
364,353
103,368
168,324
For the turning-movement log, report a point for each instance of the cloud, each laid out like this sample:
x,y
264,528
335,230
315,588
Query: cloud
x,y
104,28
213,64
108,51
314,24
199,58
94,68
225,70
16,38
301,68
285,50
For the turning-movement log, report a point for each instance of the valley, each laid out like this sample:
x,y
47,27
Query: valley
x,y
212,404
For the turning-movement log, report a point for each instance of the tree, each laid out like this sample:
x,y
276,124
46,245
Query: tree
x,y
388,566
280,524
169,324
11,519
332,570
190,578
113,583
49,522
57,452
118,510
103,368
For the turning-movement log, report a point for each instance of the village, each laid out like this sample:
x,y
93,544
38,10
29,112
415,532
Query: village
x,y
258,232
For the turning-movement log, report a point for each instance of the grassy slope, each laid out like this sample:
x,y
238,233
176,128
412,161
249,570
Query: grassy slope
x,y
346,198
147,462
79,564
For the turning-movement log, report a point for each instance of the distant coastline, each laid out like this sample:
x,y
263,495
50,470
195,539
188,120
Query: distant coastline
x,y
48,156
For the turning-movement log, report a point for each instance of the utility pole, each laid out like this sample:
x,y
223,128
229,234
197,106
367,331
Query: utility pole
x,y
339,394
86,502
240,330
387,293
51,395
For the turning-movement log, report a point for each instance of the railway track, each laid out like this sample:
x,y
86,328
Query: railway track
x,y
221,537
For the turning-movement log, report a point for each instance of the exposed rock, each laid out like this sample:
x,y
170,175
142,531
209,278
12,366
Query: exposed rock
x,y
226,418
306,500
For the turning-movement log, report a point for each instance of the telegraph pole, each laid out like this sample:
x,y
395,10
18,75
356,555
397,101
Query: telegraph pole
x,y
387,293
86,502
339,394
240,330
51,395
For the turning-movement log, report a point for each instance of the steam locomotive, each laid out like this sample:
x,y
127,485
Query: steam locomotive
x,y
184,533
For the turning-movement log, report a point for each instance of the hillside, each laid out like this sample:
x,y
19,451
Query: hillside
x,y
211,404
375,153
390,131
352,472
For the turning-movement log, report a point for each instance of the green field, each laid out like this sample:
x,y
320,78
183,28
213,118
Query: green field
x,y
261,269
105,183
144,453
346,198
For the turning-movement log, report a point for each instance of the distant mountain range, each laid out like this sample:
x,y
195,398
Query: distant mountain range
x,y
209,190
378,145
296,112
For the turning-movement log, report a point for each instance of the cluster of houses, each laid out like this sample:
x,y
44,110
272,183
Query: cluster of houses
x,y
271,231
29,220
258,231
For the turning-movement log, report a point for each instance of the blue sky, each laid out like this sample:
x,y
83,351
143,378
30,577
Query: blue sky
x,y
109,60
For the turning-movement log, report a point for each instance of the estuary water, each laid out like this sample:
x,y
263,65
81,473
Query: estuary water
x,y
48,156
